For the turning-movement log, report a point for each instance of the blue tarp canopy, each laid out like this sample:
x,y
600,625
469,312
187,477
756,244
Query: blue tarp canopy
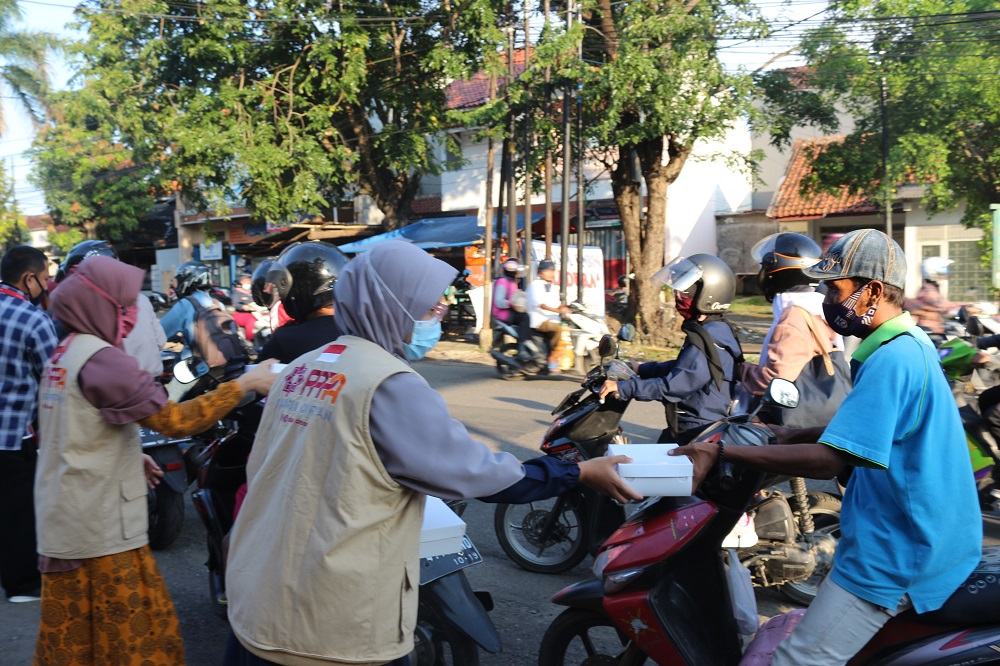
x,y
437,232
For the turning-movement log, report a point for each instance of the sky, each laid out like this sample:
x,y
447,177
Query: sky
x,y
789,16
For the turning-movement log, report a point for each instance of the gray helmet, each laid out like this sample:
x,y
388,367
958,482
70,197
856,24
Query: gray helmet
x,y
546,265
192,276
708,279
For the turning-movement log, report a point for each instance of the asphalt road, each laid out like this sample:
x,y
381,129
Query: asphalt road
x,y
510,416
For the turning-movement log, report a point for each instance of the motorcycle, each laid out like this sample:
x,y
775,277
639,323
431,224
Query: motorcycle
x,y
661,592
452,619
786,541
586,330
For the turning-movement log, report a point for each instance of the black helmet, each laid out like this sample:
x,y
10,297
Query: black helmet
x,y
262,294
782,257
81,251
303,277
546,265
709,280
192,276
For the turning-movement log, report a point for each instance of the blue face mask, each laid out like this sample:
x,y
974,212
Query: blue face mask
x,y
426,334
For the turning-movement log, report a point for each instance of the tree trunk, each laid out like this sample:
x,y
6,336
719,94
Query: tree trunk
x,y
644,236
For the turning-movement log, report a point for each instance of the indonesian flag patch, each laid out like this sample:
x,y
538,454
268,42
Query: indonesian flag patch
x,y
331,353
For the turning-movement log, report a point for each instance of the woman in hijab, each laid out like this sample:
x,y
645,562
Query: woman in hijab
x,y
103,599
324,557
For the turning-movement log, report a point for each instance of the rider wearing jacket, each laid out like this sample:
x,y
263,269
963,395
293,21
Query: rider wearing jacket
x,y
697,387
193,279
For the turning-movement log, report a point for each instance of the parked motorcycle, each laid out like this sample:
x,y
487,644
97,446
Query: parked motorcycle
x,y
661,592
452,620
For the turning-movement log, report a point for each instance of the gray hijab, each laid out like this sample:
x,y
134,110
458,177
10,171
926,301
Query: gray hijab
x,y
366,308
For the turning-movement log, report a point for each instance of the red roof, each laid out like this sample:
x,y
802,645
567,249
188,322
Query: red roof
x,y
476,91
789,204
425,205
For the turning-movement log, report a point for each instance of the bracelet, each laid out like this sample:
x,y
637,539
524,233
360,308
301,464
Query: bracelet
x,y
722,453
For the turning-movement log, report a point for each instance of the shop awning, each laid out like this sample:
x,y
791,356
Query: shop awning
x,y
436,232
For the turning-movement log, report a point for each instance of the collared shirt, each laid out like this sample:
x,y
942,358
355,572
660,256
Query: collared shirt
x,y
910,522
541,293
27,339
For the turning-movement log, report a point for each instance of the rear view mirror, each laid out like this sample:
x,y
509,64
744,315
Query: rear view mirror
x,y
627,333
607,347
190,369
782,393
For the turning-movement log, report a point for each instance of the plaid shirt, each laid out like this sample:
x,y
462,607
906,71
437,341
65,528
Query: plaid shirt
x,y
27,339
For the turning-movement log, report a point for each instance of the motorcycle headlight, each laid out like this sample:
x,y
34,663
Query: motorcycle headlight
x,y
619,579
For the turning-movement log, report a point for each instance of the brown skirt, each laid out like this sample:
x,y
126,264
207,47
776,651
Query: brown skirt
x,y
113,610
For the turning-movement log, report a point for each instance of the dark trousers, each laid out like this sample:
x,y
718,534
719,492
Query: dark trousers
x,y
237,655
18,557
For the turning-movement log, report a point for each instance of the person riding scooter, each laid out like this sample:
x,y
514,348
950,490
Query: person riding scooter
x,y
504,309
697,387
545,310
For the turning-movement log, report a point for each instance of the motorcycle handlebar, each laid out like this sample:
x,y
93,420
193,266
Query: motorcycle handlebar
x,y
726,478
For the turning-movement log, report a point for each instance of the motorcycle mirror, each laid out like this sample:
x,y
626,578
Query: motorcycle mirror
x,y
190,369
627,333
607,347
781,393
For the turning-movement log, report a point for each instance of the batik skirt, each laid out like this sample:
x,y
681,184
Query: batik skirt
x,y
110,611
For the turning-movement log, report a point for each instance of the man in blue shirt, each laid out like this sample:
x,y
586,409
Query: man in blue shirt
x,y
27,339
911,530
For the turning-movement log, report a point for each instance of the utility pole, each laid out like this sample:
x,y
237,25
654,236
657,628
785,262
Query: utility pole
x,y
486,332
567,171
581,183
886,184
512,250
528,140
547,176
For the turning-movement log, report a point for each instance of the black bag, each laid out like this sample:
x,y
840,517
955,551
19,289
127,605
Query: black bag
x,y
216,338
823,384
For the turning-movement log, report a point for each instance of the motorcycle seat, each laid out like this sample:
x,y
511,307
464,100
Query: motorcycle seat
x,y
977,600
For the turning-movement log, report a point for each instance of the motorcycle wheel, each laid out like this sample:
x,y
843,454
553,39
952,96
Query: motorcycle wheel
x,y
825,510
438,643
584,637
507,349
166,516
518,528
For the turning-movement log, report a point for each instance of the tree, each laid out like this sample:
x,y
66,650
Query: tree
x,y
12,231
286,106
652,87
23,70
937,63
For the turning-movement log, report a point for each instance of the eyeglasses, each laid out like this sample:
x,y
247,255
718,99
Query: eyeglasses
x,y
438,311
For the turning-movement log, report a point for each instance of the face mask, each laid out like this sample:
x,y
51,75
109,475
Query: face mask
x,y
426,334
40,299
844,320
127,320
685,306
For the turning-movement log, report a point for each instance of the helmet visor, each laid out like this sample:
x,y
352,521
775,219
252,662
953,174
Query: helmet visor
x,y
680,274
763,247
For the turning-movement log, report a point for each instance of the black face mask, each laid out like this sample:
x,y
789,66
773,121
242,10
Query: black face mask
x,y
844,320
37,300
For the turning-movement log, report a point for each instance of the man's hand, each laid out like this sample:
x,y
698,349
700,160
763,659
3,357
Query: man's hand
x,y
607,388
152,471
563,309
703,456
601,475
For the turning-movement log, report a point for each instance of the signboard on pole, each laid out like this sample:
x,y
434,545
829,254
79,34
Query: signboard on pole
x,y
593,273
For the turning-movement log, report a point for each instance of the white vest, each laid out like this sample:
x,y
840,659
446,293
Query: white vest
x,y
324,558
90,489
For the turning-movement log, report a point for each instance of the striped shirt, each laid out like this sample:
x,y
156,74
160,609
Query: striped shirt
x,y
27,339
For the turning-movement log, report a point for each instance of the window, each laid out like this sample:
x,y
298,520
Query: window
x,y
968,279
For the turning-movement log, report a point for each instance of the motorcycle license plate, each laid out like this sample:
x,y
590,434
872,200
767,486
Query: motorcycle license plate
x,y
432,568
151,437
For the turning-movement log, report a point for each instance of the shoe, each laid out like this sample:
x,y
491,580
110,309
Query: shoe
x,y
554,369
25,598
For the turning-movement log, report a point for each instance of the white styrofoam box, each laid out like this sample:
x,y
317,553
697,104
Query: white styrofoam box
x,y
442,530
652,472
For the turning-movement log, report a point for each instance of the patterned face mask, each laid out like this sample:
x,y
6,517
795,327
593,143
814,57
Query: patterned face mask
x,y
844,320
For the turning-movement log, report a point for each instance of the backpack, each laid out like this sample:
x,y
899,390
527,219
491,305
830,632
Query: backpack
x,y
216,340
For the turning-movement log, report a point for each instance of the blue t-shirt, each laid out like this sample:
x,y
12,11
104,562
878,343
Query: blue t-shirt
x,y
910,522
180,319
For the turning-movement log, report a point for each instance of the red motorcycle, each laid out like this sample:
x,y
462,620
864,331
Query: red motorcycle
x,y
661,593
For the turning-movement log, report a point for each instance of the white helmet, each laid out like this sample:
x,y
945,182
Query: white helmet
x,y
935,268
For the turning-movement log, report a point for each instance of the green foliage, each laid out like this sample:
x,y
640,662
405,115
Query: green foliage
x,y
23,72
12,228
286,106
64,241
938,60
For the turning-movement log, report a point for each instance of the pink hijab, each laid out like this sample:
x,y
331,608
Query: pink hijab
x,y
99,299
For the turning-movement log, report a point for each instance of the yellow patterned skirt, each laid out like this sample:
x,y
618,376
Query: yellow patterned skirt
x,y
113,610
